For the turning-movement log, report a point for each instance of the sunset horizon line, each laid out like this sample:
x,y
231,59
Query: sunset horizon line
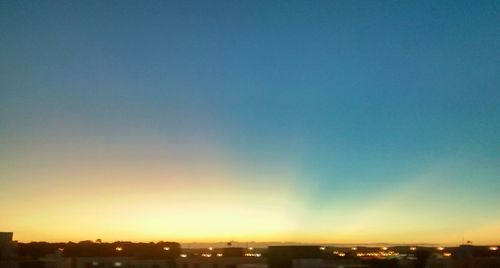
x,y
221,244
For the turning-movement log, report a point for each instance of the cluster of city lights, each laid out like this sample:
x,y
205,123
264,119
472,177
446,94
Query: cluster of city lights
x,y
252,254
341,254
378,254
208,255
369,254
115,264
382,253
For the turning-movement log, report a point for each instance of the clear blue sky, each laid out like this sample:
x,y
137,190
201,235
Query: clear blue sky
x,y
340,117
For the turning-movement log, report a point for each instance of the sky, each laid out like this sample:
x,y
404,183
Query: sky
x,y
322,121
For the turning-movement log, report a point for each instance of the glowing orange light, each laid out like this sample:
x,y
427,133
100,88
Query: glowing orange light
x,y
166,248
354,248
322,248
384,248
446,254
252,254
440,248
413,248
493,248
118,248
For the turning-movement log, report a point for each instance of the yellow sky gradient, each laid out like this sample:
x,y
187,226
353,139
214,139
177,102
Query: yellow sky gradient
x,y
203,194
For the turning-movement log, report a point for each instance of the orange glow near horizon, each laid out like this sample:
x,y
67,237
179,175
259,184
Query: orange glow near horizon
x,y
204,196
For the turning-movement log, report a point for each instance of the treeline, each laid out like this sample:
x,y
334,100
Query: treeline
x,y
150,250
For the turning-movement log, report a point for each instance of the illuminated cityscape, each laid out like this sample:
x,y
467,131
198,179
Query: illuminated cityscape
x,y
97,254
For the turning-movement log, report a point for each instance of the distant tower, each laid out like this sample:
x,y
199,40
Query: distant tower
x,y
8,250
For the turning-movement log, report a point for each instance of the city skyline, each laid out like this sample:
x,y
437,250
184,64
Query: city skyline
x,y
323,122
